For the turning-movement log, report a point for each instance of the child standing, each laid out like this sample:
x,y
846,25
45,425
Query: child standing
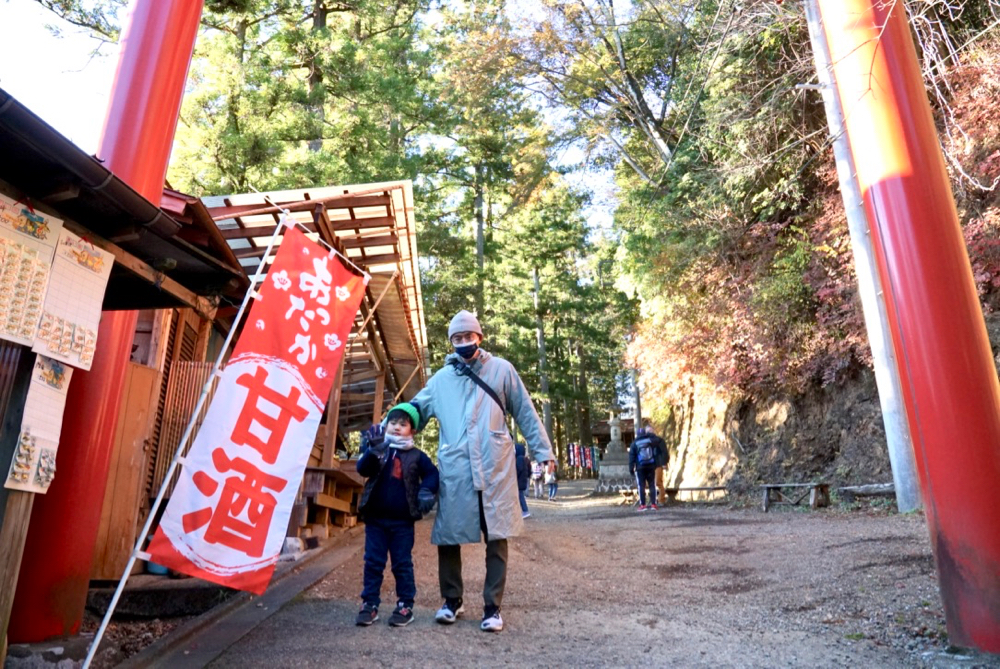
x,y
402,486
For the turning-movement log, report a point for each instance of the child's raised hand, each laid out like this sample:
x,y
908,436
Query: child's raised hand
x,y
373,438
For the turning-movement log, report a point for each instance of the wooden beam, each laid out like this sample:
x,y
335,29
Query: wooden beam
x,y
345,201
375,240
257,231
363,223
381,259
379,399
356,397
322,223
203,306
250,252
15,505
13,536
366,375
331,502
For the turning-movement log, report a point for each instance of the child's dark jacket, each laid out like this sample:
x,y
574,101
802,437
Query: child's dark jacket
x,y
395,478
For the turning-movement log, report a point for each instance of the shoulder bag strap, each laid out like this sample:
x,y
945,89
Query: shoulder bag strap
x,y
465,370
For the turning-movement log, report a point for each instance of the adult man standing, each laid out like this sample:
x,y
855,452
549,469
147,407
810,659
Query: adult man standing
x,y
645,455
478,498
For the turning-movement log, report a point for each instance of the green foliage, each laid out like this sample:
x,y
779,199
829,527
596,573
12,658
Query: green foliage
x,y
724,232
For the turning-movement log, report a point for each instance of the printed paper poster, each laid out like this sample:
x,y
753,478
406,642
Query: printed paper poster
x,y
71,313
27,242
34,464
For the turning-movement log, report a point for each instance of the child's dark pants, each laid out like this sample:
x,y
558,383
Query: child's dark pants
x,y
393,538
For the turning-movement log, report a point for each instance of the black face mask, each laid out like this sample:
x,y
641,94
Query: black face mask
x,y
467,350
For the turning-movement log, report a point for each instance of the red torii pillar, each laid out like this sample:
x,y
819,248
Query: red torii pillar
x,y
950,385
135,144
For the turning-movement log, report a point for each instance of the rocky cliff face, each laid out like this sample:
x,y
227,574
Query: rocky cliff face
x,y
719,436
834,434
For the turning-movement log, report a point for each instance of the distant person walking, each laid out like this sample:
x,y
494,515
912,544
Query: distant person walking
x,y
537,474
471,397
523,471
645,454
552,480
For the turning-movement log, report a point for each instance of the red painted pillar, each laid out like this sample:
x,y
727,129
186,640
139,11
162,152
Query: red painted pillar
x,y
138,133
949,380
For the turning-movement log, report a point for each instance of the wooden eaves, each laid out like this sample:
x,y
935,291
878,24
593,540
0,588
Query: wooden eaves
x,y
155,265
373,225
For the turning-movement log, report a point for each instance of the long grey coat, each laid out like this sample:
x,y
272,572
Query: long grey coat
x,y
475,452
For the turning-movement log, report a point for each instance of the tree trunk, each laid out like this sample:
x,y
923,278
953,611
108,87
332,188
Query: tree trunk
x,y
477,204
316,89
638,402
543,379
583,403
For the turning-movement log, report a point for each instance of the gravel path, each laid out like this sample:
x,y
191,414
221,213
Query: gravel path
x,y
593,584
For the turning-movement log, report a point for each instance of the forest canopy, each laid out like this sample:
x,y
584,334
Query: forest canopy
x,y
727,258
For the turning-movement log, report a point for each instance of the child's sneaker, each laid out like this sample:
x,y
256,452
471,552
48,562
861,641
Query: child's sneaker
x,y
641,507
653,507
367,615
449,611
492,622
402,616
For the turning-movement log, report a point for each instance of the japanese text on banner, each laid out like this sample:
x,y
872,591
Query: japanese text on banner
x,y
227,517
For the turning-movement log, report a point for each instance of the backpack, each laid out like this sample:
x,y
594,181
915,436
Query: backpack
x,y
646,452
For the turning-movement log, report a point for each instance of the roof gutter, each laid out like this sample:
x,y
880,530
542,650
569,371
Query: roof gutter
x,y
19,121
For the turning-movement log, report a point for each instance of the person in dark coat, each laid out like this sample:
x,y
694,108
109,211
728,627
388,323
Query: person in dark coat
x,y
645,454
523,472
402,486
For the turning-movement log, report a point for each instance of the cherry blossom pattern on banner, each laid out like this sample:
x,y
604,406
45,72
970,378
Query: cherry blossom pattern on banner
x,y
227,517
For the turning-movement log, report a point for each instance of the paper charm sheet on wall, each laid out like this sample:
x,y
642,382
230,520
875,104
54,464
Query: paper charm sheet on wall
x,y
27,242
72,308
34,463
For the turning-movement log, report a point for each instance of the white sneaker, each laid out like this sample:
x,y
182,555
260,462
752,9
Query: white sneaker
x,y
446,615
526,514
492,624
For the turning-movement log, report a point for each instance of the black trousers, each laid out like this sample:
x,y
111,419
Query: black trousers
x,y
450,567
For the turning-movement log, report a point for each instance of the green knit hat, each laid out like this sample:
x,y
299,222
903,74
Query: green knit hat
x,y
410,411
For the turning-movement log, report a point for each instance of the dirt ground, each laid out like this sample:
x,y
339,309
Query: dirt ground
x,y
595,584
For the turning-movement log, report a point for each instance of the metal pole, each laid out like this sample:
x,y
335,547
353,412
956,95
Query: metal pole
x,y
950,385
890,394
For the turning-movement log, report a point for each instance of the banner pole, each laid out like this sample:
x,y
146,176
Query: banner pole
x,y
181,447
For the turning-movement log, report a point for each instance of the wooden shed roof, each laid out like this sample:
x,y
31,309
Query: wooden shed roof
x,y
373,225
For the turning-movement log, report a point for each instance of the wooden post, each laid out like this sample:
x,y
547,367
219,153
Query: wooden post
x,y
333,416
15,505
379,399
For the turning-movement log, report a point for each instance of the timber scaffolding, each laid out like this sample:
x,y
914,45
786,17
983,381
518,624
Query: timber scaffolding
x,y
385,359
